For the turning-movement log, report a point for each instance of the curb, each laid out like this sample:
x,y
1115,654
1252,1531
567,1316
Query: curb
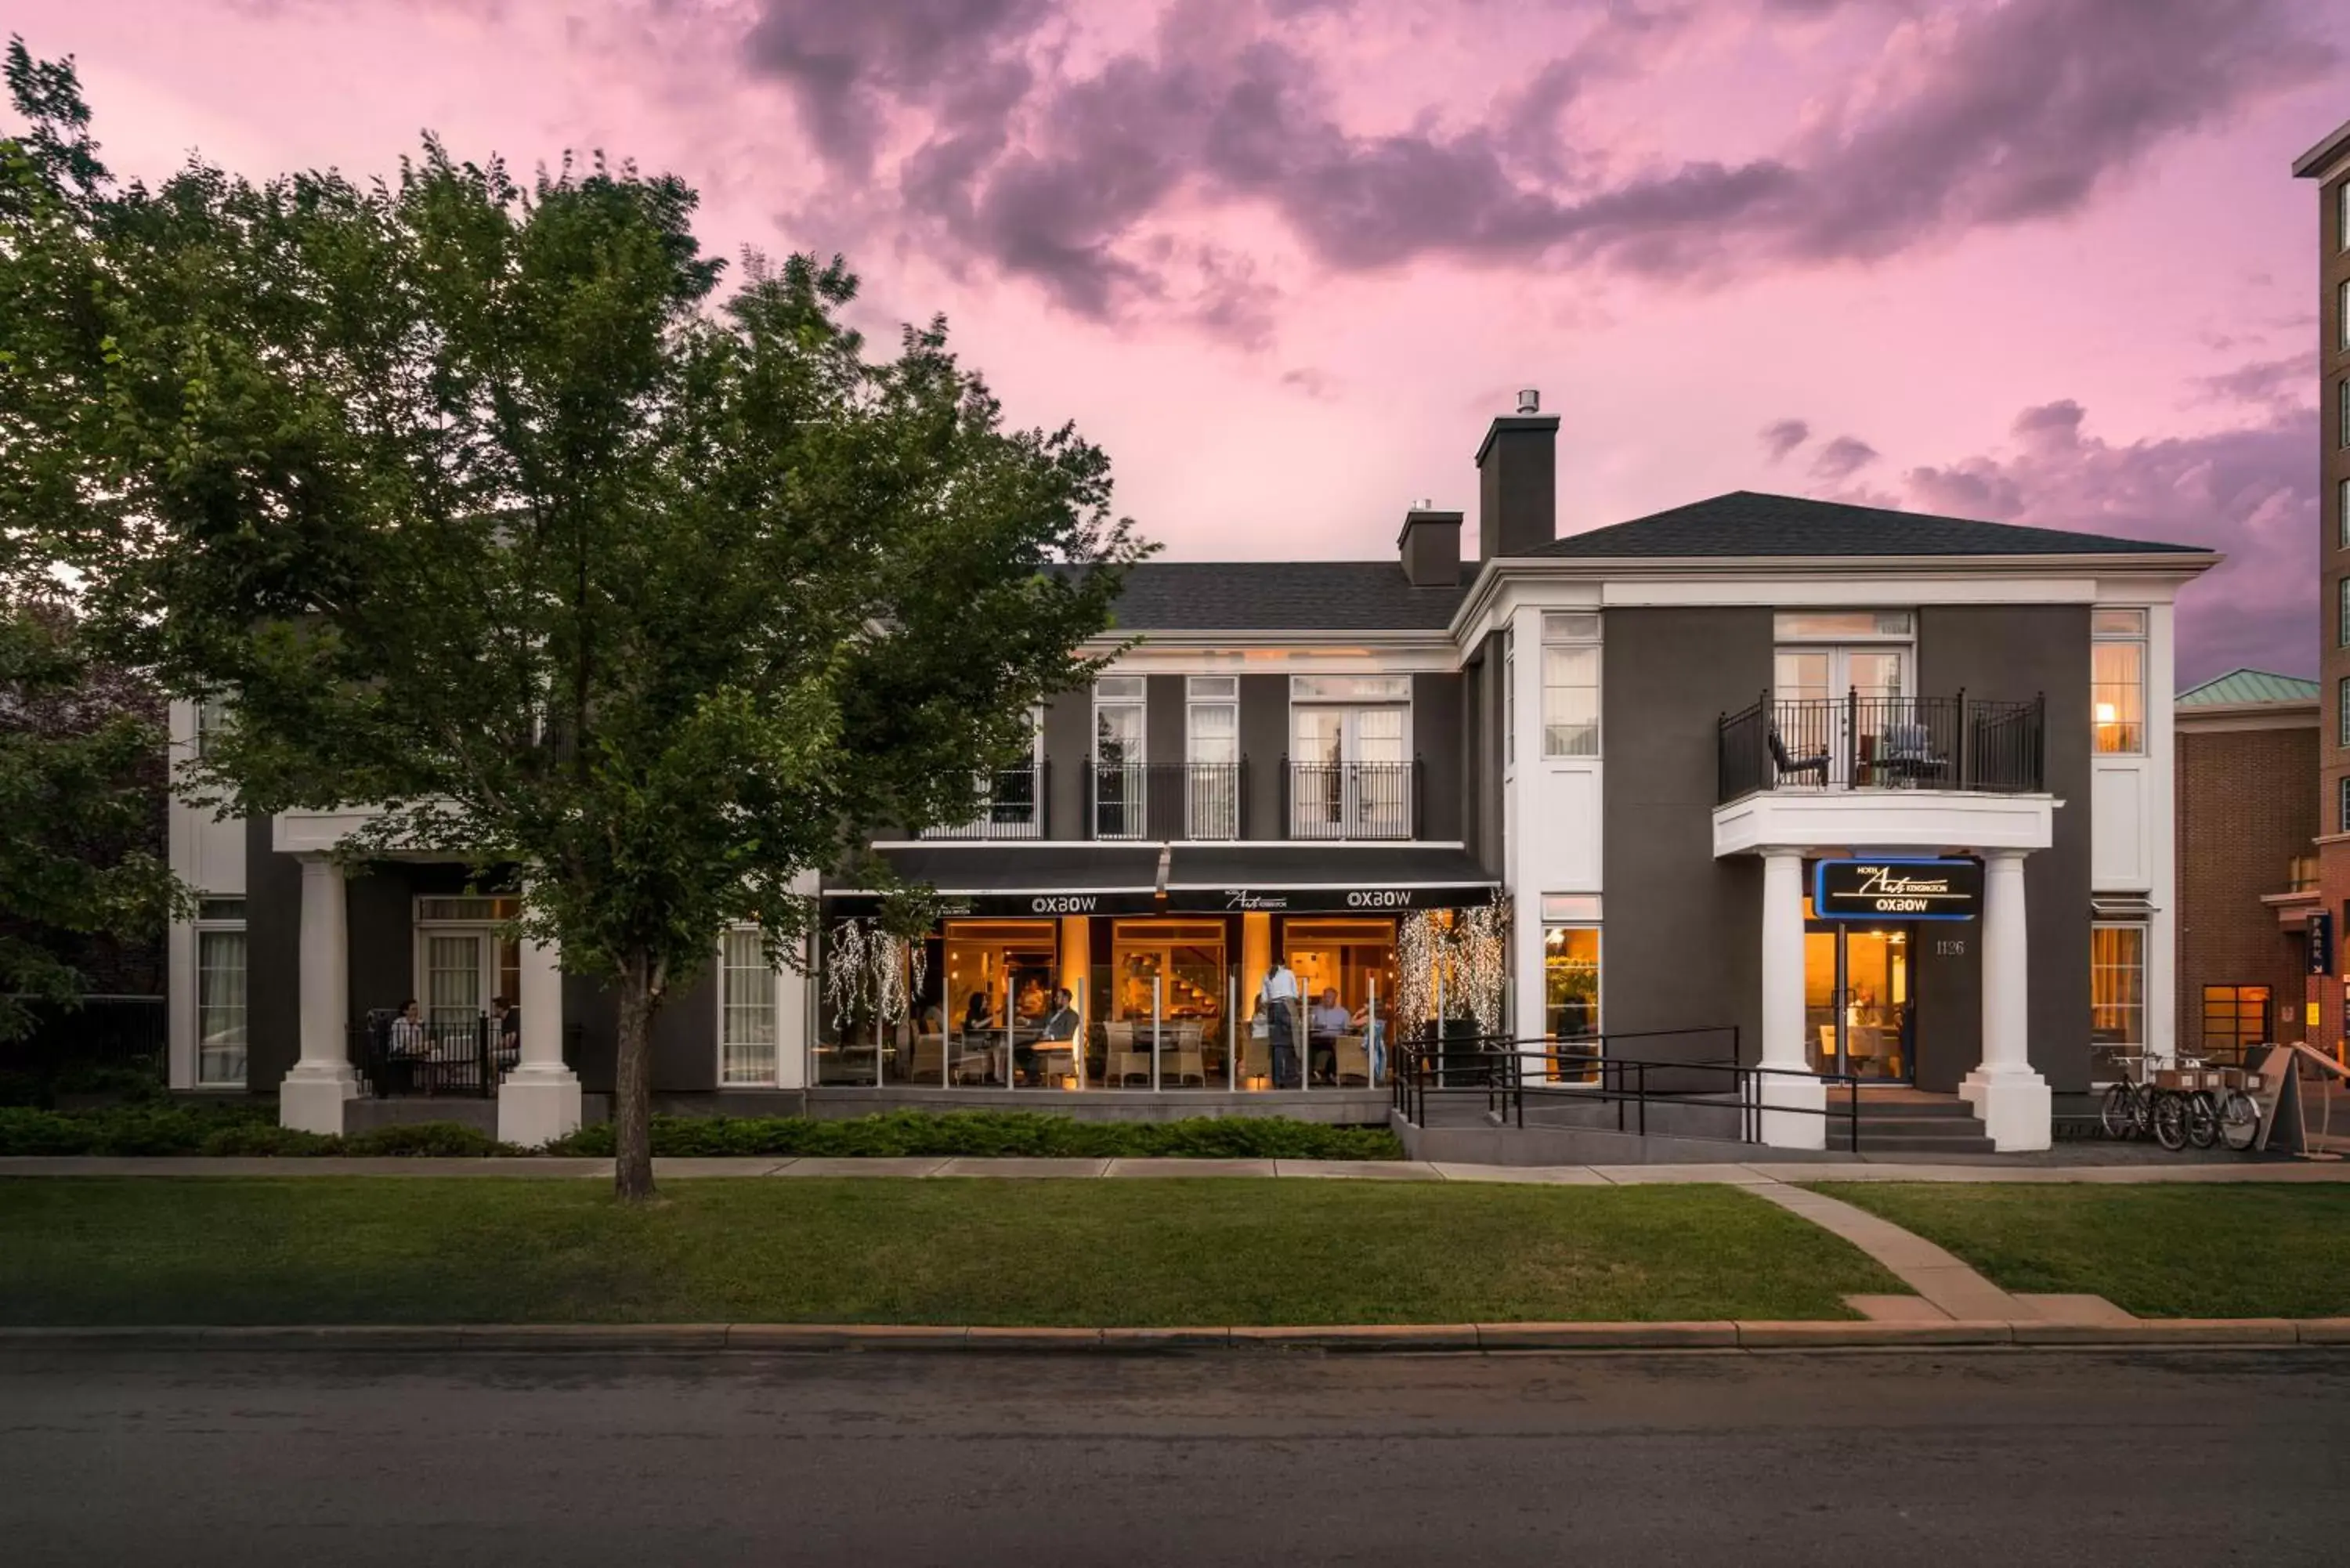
x,y
1409,1338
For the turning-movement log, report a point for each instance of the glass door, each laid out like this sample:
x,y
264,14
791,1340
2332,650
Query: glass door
x,y
1860,1014
1118,777
1352,773
1840,701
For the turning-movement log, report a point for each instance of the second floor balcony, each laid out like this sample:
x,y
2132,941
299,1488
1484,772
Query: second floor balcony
x,y
1960,743
1202,803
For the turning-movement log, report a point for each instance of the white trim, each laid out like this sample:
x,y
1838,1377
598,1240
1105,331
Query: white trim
x,y
1273,845
1798,819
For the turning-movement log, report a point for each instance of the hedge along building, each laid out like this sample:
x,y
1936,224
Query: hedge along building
x,y
1864,786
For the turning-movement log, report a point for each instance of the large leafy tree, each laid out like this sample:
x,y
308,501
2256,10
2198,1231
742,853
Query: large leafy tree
x,y
81,744
495,511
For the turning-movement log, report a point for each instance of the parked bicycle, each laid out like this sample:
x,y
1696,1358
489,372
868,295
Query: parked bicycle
x,y
2188,1103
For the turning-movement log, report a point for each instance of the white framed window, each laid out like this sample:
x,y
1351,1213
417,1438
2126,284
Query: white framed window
x,y
1120,783
1212,749
212,717
221,991
1842,626
2342,215
2117,680
1350,769
464,957
746,1010
1570,685
2342,804
2342,312
1350,688
2342,712
2117,995
2342,515
2342,407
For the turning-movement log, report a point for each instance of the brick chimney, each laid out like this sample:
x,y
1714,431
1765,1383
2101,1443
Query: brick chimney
x,y
1431,544
1517,481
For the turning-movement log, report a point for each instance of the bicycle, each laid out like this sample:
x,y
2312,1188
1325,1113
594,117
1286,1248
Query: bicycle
x,y
2129,1109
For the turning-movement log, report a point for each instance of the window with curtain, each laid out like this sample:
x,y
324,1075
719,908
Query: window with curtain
x,y
2116,996
220,1007
2117,679
1211,743
1570,685
746,1009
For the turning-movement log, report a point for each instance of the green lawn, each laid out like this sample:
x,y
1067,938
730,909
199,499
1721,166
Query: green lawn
x,y
2182,1250
1086,1253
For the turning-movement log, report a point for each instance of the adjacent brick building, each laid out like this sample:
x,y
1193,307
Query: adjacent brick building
x,y
2328,164
2247,749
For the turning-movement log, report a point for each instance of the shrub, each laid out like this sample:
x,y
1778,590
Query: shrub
x,y
998,1134
425,1140
269,1138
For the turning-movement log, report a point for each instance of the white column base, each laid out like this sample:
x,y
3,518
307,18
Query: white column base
x,y
2014,1106
1791,1111
311,1098
538,1104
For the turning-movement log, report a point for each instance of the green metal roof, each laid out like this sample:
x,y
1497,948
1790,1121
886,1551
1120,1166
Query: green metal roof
x,y
2250,686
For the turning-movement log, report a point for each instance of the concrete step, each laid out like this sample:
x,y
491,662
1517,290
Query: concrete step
x,y
1911,1110
1908,1143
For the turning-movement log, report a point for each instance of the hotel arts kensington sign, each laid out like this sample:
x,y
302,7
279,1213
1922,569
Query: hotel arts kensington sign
x,y
1896,890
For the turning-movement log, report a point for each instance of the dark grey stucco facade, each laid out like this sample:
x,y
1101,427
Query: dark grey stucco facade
x,y
1682,928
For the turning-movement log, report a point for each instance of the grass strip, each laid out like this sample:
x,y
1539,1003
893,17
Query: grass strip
x,y
2164,1250
1079,1254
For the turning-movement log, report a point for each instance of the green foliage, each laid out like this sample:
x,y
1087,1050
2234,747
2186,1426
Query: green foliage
x,y
239,1128
491,509
999,1134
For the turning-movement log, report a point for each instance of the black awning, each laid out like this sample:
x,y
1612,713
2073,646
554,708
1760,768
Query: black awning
x,y
1324,879
1019,879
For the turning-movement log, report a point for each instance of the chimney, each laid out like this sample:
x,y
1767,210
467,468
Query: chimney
x,y
1430,544
1517,481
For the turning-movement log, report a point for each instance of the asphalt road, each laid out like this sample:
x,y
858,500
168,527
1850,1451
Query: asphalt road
x,y
1912,1460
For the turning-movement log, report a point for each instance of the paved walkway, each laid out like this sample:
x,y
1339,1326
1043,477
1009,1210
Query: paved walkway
x,y
1776,1174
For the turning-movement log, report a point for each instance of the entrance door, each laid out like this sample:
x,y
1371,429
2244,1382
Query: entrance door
x,y
455,966
1860,1011
1817,680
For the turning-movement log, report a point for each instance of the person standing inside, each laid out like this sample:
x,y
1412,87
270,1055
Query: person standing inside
x,y
1279,998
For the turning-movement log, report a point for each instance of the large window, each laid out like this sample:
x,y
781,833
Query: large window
x,y
746,1010
2117,679
2342,515
1570,979
464,958
2342,804
2342,404
1121,782
2235,1019
1570,685
220,992
212,716
2116,996
1211,743
2342,712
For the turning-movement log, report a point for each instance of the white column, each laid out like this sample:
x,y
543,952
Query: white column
x,y
539,1100
2011,1100
312,1096
1792,1098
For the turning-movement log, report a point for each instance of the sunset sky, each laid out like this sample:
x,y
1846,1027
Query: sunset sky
x,y
2040,261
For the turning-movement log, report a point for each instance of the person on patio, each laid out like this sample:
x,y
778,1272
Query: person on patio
x,y
1327,1022
506,1030
406,1043
1374,1031
977,1018
1278,996
1059,1033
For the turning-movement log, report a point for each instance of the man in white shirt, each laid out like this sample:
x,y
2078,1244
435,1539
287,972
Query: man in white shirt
x,y
1279,997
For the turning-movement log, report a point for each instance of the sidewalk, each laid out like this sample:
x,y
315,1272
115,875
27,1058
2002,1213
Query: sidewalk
x,y
1772,1175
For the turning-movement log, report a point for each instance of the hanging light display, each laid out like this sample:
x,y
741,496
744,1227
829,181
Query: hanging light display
x,y
1469,949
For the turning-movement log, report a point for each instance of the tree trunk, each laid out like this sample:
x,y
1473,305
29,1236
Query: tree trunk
x,y
632,1121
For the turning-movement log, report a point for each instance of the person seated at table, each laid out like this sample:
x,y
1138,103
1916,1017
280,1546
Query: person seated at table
x,y
1059,1030
1032,999
1323,1027
977,1018
406,1043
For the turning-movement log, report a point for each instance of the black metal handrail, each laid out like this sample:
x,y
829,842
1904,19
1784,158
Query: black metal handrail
x,y
1596,1068
1853,741
1017,806
1167,802
1351,800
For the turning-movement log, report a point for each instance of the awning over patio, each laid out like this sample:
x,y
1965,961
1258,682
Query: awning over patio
x,y
1184,879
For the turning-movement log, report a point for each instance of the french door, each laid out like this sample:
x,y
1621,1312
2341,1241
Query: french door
x,y
458,972
1810,687
1352,773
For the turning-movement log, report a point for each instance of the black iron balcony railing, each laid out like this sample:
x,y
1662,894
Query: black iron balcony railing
x,y
1855,742
1166,801
1351,800
1015,806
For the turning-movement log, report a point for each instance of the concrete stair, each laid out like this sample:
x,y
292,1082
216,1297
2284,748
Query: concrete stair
x,y
1915,1124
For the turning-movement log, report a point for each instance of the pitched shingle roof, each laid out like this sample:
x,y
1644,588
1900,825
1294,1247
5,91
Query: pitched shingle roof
x,y
1747,523
2249,686
1281,596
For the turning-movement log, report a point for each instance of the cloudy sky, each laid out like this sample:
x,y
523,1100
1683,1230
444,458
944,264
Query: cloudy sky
x,y
2036,260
